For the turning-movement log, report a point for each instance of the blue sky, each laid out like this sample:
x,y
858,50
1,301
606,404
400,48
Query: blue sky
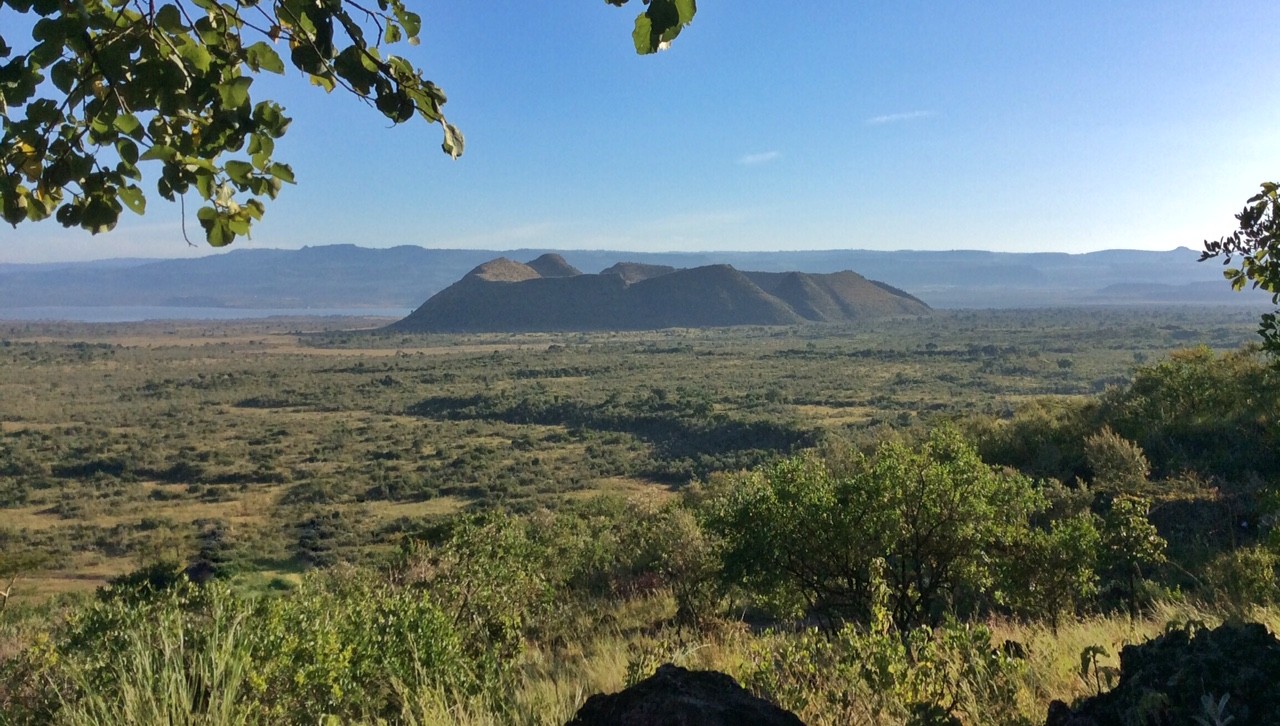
x,y
1008,126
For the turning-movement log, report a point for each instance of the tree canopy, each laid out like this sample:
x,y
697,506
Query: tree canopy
x,y
1257,246
105,86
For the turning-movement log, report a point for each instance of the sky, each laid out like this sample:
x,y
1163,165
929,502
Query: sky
x,y
1009,126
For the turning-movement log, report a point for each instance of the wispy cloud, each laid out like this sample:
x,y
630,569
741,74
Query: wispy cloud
x,y
893,118
758,159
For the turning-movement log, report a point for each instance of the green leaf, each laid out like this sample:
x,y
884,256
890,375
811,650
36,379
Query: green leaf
x,y
324,81
215,227
169,20
159,152
260,149
411,22
270,119
134,199
395,105
238,225
68,215
350,64
204,185
100,215
197,55
660,23
235,93
643,35
261,56
686,10
127,150
281,172
239,171
64,75
127,123
13,207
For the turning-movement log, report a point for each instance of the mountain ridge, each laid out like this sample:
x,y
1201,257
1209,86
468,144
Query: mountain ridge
x,y
547,294
347,276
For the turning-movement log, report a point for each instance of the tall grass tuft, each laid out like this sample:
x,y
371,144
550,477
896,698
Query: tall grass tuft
x,y
166,673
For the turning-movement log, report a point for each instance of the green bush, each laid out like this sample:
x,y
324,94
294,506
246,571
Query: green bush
x,y
945,675
803,536
1243,577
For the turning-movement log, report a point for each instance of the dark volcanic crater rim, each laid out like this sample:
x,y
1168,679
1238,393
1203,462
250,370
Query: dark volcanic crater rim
x,y
548,294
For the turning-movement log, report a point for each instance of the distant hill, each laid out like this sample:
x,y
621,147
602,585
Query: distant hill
x,y
548,294
346,276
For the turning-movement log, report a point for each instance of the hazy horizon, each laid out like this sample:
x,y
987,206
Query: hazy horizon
x,y
198,252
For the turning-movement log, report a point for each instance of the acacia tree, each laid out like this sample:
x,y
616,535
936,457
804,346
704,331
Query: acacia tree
x,y
104,86
1257,246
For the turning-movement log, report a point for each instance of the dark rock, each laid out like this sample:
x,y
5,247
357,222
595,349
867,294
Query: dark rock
x,y
677,697
1014,649
1189,675
1060,715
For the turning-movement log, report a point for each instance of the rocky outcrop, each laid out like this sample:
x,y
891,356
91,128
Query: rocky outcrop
x,y
674,696
1186,676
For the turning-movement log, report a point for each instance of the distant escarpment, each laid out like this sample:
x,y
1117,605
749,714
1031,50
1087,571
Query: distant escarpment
x,y
549,294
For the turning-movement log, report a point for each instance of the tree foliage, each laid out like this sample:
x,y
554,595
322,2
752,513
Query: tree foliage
x,y
928,521
1118,464
1131,546
1053,571
1194,411
1256,244
105,86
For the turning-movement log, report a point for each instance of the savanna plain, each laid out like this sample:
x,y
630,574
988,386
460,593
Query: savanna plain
x,y
955,518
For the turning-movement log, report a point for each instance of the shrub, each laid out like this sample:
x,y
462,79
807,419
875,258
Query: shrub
x,y
800,537
1243,577
858,676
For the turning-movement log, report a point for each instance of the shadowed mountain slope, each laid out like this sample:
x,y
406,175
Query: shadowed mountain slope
x,y
636,271
506,296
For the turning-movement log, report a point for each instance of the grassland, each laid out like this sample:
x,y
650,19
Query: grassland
x,y
319,467
121,443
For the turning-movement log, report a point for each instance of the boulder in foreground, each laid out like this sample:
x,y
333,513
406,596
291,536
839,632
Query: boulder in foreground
x,y
1230,674
677,697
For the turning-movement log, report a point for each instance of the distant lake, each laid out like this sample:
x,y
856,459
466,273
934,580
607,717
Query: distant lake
x,y
134,314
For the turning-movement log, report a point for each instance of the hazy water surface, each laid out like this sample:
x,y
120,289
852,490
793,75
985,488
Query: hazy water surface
x,y
131,314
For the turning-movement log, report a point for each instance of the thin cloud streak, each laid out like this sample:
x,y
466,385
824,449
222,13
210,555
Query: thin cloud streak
x,y
893,118
757,159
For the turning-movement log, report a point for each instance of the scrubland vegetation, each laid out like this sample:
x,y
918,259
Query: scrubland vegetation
x,y
962,516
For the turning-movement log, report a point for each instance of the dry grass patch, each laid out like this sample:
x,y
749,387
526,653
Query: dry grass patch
x,y
434,507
